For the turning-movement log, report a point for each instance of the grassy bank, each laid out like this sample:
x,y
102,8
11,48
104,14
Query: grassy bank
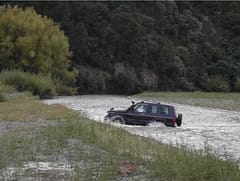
x,y
229,101
25,108
96,151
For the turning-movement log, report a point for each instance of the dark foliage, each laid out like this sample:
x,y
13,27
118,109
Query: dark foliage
x,y
127,47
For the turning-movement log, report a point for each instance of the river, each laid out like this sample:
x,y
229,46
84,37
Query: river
x,y
215,129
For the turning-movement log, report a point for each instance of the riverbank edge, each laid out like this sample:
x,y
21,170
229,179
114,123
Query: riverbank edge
x,y
225,101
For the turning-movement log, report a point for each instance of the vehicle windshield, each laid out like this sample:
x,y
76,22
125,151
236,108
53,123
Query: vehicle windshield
x,y
140,108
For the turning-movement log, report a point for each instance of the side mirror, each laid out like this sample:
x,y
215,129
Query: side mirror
x,y
133,102
111,109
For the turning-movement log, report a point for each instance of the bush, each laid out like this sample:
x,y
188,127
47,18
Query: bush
x,y
2,96
237,85
183,84
65,90
91,80
218,85
4,89
23,81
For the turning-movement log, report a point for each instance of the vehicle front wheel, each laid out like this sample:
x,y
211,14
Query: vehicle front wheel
x,y
118,119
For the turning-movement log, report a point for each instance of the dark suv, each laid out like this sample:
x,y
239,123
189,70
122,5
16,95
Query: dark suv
x,y
143,113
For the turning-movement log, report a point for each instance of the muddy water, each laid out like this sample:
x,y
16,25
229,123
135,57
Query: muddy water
x,y
216,129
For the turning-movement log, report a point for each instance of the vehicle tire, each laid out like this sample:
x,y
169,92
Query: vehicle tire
x,y
179,120
118,119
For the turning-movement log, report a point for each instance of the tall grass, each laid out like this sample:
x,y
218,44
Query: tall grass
x,y
2,95
62,89
4,90
27,109
23,81
107,147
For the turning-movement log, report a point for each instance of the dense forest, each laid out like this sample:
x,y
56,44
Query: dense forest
x,y
129,47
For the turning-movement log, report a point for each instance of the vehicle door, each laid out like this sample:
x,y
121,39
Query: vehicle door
x,y
152,114
166,115
137,115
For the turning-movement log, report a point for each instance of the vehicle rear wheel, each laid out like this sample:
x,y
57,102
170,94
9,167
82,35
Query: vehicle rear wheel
x,y
118,119
179,120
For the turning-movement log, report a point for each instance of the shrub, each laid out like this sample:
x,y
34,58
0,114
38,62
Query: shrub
x,y
4,89
184,85
126,83
91,80
23,81
237,85
64,90
2,97
218,85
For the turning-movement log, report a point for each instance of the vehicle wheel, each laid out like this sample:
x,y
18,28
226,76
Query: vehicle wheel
x,y
145,124
179,120
118,119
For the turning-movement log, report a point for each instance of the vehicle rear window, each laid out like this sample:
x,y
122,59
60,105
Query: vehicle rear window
x,y
164,110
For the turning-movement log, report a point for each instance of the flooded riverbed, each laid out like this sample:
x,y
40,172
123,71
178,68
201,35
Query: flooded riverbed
x,y
218,130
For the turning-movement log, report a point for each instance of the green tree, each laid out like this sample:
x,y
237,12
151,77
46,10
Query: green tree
x,y
33,43
186,45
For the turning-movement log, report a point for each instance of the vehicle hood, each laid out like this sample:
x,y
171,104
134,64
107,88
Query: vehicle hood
x,y
117,111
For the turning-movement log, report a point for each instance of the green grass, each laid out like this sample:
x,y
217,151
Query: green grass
x,y
25,108
229,101
4,90
101,148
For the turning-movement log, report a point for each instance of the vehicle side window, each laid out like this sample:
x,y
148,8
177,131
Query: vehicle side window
x,y
153,109
140,108
164,110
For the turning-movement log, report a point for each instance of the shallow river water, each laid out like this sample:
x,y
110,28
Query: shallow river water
x,y
218,130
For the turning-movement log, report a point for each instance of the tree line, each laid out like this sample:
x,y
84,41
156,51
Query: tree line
x,y
129,47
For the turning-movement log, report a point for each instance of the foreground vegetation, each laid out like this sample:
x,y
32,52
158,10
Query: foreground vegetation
x,y
229,101
95,151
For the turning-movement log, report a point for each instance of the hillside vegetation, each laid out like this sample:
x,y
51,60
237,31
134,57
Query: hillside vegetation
x,y
128,47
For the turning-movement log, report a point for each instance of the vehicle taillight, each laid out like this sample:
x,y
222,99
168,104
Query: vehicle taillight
x,y
174,121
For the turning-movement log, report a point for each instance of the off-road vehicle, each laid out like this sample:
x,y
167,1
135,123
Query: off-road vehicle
x,y
143,113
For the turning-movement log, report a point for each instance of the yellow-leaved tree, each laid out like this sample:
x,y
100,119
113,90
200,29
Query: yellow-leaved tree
x,y
34,43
